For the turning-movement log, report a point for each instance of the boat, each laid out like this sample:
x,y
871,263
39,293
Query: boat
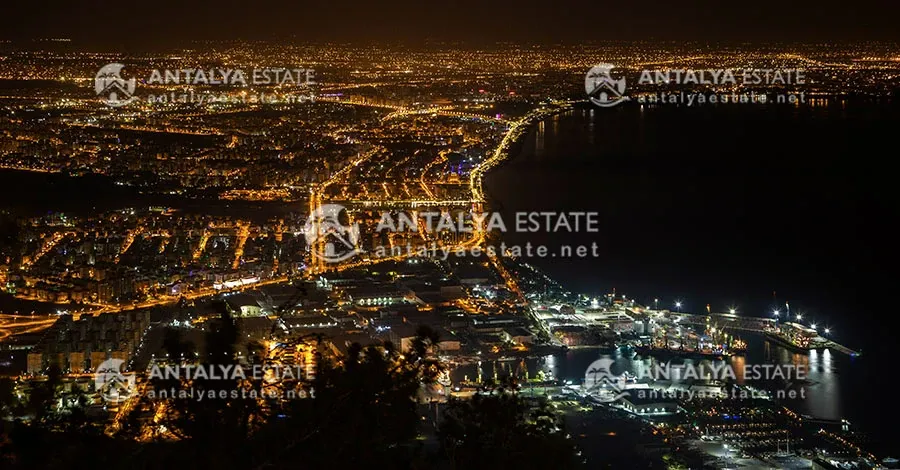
x,y
784,341
738,347
655,351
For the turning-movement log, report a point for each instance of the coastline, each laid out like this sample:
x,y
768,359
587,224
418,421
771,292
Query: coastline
x,y
829,369
513,137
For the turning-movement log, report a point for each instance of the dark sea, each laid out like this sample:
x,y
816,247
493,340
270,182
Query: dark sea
x,y
740,206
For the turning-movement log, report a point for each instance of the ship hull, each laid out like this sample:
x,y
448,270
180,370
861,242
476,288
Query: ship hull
x,y
783,342
660,352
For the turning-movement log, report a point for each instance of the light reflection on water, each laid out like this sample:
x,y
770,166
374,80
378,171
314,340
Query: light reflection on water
x,y
823,393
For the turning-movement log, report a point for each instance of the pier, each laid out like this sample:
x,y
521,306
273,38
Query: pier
x,y
841,348
752,324
727,320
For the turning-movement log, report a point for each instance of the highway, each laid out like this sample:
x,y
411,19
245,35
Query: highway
x,y
517,130
21,324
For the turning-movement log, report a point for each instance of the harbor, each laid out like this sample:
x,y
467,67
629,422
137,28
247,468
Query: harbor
x,y
739,422
793,335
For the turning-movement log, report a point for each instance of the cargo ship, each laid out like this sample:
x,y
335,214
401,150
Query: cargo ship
x,y
795,337
783,340
677,352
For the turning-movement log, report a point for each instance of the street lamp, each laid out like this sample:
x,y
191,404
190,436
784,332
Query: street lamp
x,y
732,311
656,304
799,317
827,331
678,306
812,325
776,313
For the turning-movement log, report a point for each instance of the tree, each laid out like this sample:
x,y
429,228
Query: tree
x,y
42,396
362,411
212,419
359,410
8,400
500,430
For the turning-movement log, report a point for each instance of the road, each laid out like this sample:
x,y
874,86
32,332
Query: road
x,y
21,324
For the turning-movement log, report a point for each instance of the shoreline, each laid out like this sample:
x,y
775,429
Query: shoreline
x,y
514,135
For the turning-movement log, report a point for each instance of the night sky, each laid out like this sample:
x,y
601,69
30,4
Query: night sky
x,y
170,22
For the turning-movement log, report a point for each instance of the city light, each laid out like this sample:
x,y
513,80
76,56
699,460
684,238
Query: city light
x,y
395,134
